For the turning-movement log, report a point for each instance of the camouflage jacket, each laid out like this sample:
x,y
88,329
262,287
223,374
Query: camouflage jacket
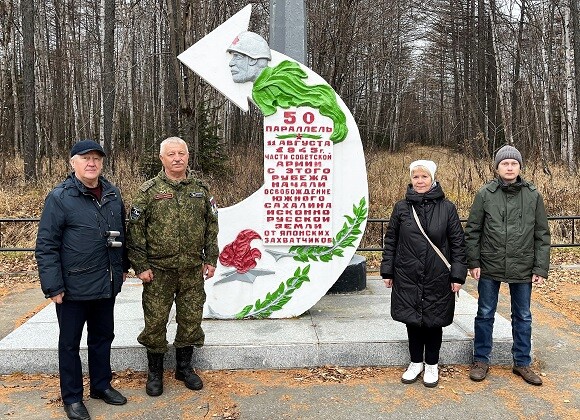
x,y
172,224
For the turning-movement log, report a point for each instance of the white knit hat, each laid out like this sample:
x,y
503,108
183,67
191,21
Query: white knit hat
x,y
429,164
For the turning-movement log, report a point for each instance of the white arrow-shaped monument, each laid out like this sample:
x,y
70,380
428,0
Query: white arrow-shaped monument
x,y
284,246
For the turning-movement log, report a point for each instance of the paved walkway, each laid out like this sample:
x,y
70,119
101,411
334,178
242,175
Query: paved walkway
x,y
341,330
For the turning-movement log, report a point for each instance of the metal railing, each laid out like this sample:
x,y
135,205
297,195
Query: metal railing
x,y
22,224
562,227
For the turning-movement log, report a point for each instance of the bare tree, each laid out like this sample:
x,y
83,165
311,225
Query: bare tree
x,y
7,130
28,90
568,120
575,140
108,77
468,74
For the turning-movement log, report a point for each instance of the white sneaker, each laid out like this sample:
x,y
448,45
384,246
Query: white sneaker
x,y
431,376
412,373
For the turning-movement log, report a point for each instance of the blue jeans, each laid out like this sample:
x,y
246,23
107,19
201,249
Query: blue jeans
x,y
520,294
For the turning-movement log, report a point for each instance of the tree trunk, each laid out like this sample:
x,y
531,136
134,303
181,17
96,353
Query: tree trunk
x,y
108,79
7,118
517,64
172,79
575,18
503,90
28,93
546,48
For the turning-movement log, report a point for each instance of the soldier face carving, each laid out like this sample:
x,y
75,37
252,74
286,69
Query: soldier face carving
x,y
244,68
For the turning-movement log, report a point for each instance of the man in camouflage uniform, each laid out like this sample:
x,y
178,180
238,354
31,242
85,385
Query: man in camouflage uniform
x,y
172,241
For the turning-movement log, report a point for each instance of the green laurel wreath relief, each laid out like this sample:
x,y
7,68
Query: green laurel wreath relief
x,y
276,300
344,238
282,295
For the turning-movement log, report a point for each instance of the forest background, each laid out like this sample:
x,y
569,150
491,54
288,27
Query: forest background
x,y
469,75
446,80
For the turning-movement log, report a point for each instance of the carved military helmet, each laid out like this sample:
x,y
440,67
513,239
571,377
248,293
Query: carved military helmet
x,y
252,45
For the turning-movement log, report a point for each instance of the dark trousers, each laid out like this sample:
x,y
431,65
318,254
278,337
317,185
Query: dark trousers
x,y
72,316
425,340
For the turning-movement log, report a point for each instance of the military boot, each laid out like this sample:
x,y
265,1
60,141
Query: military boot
x,y
154,386
183,370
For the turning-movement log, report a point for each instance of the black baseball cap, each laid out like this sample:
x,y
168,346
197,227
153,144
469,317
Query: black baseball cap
x,y
86,146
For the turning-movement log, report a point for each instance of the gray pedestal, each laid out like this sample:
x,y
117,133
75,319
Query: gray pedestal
x,y
354,277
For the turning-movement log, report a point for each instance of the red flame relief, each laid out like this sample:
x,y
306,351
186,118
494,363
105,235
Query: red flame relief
x,y
240,254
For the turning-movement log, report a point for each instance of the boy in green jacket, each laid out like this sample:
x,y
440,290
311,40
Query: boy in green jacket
x,y
508,240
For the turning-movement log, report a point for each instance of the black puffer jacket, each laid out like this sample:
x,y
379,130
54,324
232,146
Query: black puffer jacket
x,y
71,246
422,293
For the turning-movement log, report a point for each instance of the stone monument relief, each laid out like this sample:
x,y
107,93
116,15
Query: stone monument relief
x,y
284,246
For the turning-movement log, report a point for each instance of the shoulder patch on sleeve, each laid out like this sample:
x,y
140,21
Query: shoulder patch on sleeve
x,y
135,213
214,207
146,185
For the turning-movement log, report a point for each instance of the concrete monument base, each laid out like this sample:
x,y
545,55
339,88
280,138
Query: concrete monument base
x,y
341,330
353,278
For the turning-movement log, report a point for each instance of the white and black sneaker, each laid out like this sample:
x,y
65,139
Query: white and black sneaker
x,y
412,373
431,376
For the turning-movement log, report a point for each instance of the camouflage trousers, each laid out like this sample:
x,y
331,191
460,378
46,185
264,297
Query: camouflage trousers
x,y
185,287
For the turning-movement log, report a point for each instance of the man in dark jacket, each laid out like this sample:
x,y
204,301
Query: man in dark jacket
x,y
508,240
82,263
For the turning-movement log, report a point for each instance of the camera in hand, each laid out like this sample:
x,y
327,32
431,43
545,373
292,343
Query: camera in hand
x,y
112,241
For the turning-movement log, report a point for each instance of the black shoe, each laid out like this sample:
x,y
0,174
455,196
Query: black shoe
x,y
154,386
77,411
190,379
110,396
184,372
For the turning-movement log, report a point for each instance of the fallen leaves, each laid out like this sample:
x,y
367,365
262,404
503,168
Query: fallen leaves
x,y
17,272
561,292
336,374
17,262
448,371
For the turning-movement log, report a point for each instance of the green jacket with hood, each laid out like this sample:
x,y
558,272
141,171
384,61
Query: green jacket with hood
x,y
507,233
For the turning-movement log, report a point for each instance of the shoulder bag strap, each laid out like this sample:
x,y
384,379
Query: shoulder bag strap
x,y
432,244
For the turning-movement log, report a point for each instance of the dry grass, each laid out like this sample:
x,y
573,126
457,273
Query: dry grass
x,y
461,177
388,176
